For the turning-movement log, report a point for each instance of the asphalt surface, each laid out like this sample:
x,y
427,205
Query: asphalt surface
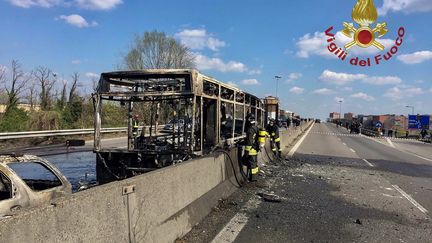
x,y
338,187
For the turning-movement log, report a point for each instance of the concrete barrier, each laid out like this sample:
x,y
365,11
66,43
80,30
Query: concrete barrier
x,y
159,206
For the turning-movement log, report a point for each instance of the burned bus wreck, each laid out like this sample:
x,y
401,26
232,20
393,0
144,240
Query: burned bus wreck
x,y
172,116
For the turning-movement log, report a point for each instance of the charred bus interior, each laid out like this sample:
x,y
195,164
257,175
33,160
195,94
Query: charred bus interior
x,y
171,116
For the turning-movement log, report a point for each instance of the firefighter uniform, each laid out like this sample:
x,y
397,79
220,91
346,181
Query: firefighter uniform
x,y
135,127
251,150
273,132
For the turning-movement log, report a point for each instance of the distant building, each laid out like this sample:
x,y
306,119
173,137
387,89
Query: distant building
x,y
348,116
334,116
289,114
391,122
26,107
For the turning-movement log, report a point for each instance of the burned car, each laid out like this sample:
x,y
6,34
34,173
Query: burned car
x,y
27,181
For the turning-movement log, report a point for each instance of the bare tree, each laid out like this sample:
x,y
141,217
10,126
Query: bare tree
x,y
31,94
3,96
156,50
73,89
15,85
95,83
2,78
62,101
46,83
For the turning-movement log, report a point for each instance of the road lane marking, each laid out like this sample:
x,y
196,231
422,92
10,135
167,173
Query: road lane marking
x,y
400,150
369,163
390,142
421,157
344,144
352,150
297,145
231,230
409,198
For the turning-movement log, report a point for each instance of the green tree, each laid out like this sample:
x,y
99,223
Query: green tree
x,y
72,113
14,120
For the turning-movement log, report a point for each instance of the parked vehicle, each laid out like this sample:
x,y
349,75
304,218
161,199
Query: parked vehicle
x,y
27,181
177,125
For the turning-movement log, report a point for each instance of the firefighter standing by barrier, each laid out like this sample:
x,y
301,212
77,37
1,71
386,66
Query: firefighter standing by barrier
x,y
252,146
273,132
135,127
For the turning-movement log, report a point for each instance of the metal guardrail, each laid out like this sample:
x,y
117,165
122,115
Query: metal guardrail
x,y
53,133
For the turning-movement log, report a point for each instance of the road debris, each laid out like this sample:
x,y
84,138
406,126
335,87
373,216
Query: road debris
x,y
270,197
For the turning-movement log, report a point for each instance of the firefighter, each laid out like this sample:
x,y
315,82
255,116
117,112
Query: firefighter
x,y
273,132
252,148
135,126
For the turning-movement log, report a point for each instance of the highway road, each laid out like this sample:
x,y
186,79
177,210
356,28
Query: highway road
x,y
337,187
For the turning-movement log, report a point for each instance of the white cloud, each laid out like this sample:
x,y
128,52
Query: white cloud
x,y
85,4
402,91
363,96
77,21
250,82
312,44
76,61
347,89
199,39
316,44
338,99
345,78
232,84
416,57
92,75
430,90
35,3
296,90
214,63
340,78
256,71
293,77
98,4
406,6
382,80
323,91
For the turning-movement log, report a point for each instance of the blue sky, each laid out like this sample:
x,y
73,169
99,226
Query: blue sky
x,y
245,42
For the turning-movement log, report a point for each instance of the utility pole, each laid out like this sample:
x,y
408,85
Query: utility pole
x,y
412,108
277,77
